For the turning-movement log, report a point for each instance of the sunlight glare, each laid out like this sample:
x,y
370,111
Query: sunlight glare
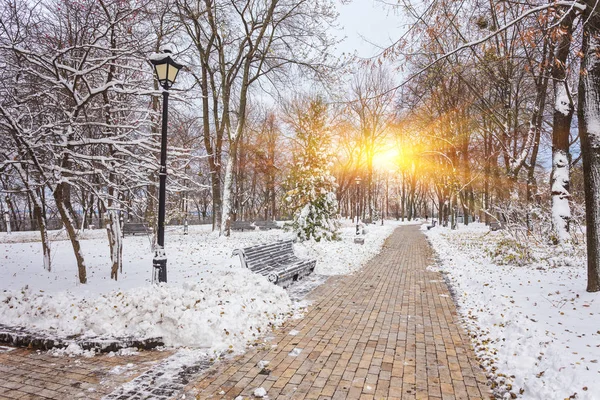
x,y
386,160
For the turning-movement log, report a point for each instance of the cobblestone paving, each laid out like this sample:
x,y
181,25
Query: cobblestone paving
x,y
389,331
28,374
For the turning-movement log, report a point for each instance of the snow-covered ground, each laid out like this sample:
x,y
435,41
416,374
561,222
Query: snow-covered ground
x,y
209,303
533,326
535,322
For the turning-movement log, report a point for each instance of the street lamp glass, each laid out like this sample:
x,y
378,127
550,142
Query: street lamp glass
x,y
166,68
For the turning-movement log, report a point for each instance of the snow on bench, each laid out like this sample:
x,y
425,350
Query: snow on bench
x,y
276,261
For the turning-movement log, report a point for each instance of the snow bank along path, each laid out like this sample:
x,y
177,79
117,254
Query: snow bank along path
x,y
533,322
210,302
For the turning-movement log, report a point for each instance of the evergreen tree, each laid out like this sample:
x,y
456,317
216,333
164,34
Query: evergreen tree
x,y
312,195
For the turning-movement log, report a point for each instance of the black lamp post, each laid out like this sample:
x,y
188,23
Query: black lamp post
x,y
166,71
357,180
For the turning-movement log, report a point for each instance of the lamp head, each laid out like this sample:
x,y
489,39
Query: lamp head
x,y
165,67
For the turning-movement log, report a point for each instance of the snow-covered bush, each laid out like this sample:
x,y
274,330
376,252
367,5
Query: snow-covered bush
x,y
529,238
510,252
532,222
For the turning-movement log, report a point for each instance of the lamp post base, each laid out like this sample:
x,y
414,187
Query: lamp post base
x,y
159,270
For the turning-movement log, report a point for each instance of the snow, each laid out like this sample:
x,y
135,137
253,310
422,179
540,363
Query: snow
x,y
344,257
168,48
561,210
73,350
531,325
260,392
210,302
262,364
295,352
168,376
563,103
121,369
216,313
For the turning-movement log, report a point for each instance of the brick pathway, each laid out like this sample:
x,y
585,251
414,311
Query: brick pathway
x,y
27,374
389,331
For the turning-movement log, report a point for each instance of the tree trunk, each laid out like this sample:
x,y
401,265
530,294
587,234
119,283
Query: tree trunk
x,y
537,120
227,190
213,150
233,147
40,217
563,114
589,130
60,194
35,197
403,199
115,239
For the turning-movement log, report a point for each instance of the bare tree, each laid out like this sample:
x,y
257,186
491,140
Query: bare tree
x,y
240,45
73,107
371,105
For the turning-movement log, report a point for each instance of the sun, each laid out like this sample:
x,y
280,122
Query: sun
x,y
386,159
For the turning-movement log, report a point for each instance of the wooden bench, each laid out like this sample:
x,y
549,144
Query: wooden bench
x,y
241,225
433,222
276,261
266,225
131,228
496,226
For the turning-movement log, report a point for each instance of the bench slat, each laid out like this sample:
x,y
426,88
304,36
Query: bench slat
x,y
135,227
277,261
287,245
268,255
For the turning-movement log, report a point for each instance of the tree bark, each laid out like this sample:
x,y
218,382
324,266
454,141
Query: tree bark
x,y
115,238
563,114
60,195
589,130
40,216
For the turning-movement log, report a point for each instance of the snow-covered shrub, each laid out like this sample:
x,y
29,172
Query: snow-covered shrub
x,y
532,222
529,238
510,251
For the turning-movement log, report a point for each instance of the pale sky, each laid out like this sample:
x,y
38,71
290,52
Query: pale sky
x,y
364,21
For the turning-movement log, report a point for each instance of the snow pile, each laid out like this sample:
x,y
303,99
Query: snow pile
x,y
530,324
220,312
73,350
260,392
